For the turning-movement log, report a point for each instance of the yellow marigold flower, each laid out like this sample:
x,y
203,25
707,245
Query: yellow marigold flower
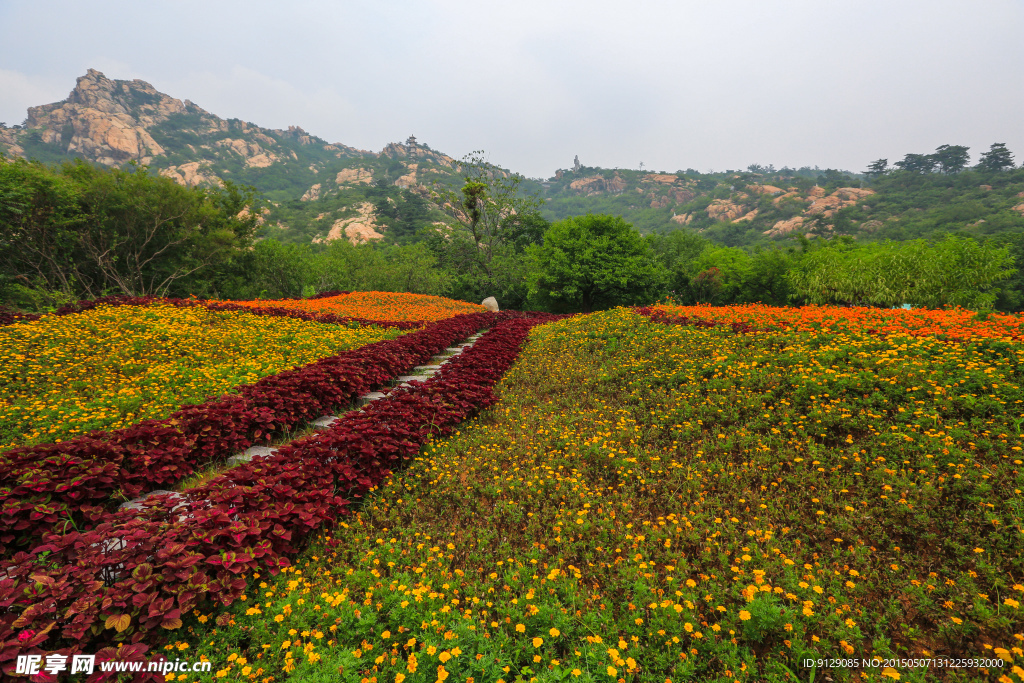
x,y
744,615
537,642
520,628
554,633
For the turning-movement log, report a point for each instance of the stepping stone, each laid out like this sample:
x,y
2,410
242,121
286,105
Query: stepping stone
x,y
454,350
137,504
249,454
411,378
325,421
435,368
366,399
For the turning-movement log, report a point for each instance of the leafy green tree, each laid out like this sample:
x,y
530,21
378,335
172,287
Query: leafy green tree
x,y
951,158
489,209
766,278
146,232
270,270
492,221
877,169
40,220
721,274
917,163
365,267
592,262
678,252
997,158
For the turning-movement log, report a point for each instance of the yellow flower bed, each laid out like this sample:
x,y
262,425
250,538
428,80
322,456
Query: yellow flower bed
x,y
111,367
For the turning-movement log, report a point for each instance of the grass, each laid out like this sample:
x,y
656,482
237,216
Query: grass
x,y
651,502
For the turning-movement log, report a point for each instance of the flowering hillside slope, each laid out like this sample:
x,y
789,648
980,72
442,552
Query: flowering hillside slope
x,y
652,502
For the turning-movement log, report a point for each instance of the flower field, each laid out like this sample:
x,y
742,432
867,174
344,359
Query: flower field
x,y
110,367
396,306
652,502
921,322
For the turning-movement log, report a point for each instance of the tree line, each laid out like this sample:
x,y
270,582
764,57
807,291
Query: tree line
x,y
77,231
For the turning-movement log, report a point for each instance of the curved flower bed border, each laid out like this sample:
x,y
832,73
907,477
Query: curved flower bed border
x,y
70,484
138,572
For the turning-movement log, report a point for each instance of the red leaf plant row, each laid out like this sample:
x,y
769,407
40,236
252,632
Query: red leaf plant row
x,y
69,485
118,589
660,316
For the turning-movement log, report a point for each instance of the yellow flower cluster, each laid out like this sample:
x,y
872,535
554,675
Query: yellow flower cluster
x,y
111,367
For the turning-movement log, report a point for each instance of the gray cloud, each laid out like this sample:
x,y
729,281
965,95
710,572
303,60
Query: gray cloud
x,y
674,84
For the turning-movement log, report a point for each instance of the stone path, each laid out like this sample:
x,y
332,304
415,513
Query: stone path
x,y
421,374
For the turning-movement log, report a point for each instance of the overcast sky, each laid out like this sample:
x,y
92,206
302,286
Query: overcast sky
x,y
675,84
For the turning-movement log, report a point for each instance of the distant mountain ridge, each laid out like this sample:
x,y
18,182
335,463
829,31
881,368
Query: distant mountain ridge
x,y
319,191
111,122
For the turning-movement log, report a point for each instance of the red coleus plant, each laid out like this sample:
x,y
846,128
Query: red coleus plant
x,y
56,487
131,577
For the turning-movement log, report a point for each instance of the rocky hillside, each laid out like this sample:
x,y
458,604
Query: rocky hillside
x,y
745,209
317,190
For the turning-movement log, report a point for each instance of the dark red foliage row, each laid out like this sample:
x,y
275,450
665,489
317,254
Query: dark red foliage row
x,y
70,593
660,316
71,484
9,316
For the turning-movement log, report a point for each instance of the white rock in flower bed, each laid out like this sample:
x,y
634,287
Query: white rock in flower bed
x,y
490,303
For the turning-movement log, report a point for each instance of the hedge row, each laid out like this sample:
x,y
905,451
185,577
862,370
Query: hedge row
x,y
71,484
132,577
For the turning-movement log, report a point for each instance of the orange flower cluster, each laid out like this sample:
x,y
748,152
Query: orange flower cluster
x,y
956,323
395,306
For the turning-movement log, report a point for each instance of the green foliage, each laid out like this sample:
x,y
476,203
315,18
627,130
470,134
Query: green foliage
x,y
80,231
492,222
409,268
593,262
956,271
997,158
